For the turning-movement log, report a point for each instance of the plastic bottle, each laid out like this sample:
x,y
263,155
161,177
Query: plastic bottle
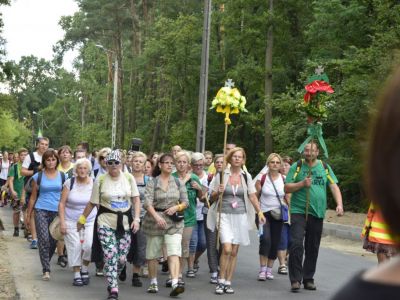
x,y
82,235
260,230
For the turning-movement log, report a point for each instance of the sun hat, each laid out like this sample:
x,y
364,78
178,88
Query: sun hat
x,y
114,155
55,231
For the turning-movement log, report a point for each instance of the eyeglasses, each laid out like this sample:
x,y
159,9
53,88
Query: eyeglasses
x,y
113,163
167,162
275,162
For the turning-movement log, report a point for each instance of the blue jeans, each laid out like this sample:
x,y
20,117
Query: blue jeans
x,y
198,239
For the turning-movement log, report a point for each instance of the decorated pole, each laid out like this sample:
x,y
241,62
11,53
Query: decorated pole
x,y
227,101
315,109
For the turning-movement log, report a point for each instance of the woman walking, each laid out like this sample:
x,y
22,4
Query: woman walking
x,y
114,193
164,197
74,198
239,201
46,192
271,190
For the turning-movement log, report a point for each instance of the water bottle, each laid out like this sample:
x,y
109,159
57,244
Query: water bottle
x,y
260,230
82,235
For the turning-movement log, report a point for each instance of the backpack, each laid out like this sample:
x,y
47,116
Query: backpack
x,y
32,166
324,164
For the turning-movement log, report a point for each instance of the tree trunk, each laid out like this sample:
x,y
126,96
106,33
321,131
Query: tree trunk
x,y
222,40
268,86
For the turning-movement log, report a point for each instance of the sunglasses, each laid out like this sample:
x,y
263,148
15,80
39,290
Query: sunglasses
x,y
101,157
113,163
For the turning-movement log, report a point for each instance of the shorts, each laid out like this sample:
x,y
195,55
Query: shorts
x,y
186,236
155,243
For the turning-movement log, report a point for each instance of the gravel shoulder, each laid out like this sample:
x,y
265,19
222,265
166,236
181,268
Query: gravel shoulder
x,y
7,284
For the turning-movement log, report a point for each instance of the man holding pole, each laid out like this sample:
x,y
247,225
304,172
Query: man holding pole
x,y
307,180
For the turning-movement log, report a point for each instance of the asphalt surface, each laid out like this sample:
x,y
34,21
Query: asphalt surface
x,y
333,270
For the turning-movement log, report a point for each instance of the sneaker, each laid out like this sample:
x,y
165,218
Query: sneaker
x,y
152,289
176,290
262,276
180,281
228,289
34,244
99,272
46,276
309,285
164,267
62,261
190,274
214,280
122,275
269,276
16,232
283,270
219,289
295,287
196,266
136,281
168,283
113,296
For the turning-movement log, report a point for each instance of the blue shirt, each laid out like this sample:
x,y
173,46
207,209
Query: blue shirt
x,y
49,192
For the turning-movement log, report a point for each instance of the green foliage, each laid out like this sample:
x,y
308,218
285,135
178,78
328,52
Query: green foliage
x,y
13,133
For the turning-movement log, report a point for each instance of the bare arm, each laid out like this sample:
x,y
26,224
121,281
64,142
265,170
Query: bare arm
x,y
337,195
88,209
254,201
11,186
32,201
61,209
136,221
26,172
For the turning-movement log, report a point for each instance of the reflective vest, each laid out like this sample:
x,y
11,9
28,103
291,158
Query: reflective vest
x,y
376,229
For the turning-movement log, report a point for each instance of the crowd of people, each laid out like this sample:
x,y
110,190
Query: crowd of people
x,y
113,207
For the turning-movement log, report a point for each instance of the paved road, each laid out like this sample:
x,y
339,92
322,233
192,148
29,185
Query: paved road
x,y
334,269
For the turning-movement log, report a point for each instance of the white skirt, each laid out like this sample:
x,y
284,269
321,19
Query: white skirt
x,y
234,229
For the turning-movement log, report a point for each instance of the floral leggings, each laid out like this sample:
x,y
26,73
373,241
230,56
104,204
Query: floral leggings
x,y
115,253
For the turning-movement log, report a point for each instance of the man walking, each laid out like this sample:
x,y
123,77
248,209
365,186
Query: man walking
x,y
309,176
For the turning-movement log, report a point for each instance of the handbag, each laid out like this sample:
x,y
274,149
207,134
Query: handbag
x,y
282,213
177,216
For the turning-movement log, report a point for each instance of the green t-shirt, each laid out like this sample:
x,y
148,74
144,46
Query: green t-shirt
x,y
190,212
15,171
319,183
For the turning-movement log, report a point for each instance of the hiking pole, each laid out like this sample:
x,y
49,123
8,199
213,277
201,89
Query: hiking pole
x,y
222,182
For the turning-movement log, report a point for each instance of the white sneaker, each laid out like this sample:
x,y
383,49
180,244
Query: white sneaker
x,y
269,276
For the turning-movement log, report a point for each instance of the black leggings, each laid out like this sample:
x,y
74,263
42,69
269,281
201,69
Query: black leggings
x,y
269,240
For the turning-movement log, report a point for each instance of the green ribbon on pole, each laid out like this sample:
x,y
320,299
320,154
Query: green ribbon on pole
x,y
314,131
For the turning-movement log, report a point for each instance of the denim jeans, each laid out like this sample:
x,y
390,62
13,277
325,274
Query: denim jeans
x,y
198,239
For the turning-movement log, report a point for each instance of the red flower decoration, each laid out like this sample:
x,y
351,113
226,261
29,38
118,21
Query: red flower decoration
x,y
315,87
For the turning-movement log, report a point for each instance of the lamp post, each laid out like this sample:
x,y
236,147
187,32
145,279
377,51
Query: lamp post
x,y
115,97
202,111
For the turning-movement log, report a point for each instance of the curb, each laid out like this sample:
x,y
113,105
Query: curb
x,y
342,231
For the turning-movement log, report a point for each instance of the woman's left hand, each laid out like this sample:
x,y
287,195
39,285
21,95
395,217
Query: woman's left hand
x,y
135,226
261,218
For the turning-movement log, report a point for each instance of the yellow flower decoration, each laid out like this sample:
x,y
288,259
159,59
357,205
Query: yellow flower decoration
x,y
229,101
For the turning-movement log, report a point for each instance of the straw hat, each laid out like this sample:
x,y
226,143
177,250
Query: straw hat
x,y
54,229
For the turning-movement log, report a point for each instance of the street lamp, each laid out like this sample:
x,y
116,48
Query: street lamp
x,y
115,96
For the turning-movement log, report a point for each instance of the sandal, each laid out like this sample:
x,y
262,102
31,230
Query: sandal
x,y
113,296
190,274
85,278
283,270
77,282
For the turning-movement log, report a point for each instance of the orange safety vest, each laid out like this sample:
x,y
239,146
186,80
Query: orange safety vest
x,y
376,229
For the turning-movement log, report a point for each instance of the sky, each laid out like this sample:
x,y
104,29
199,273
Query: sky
x,y
31,28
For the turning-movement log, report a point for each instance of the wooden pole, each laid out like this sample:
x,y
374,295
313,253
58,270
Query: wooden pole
x,y
308,188
222,182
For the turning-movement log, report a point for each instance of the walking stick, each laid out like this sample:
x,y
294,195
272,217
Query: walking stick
x,y
222,182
